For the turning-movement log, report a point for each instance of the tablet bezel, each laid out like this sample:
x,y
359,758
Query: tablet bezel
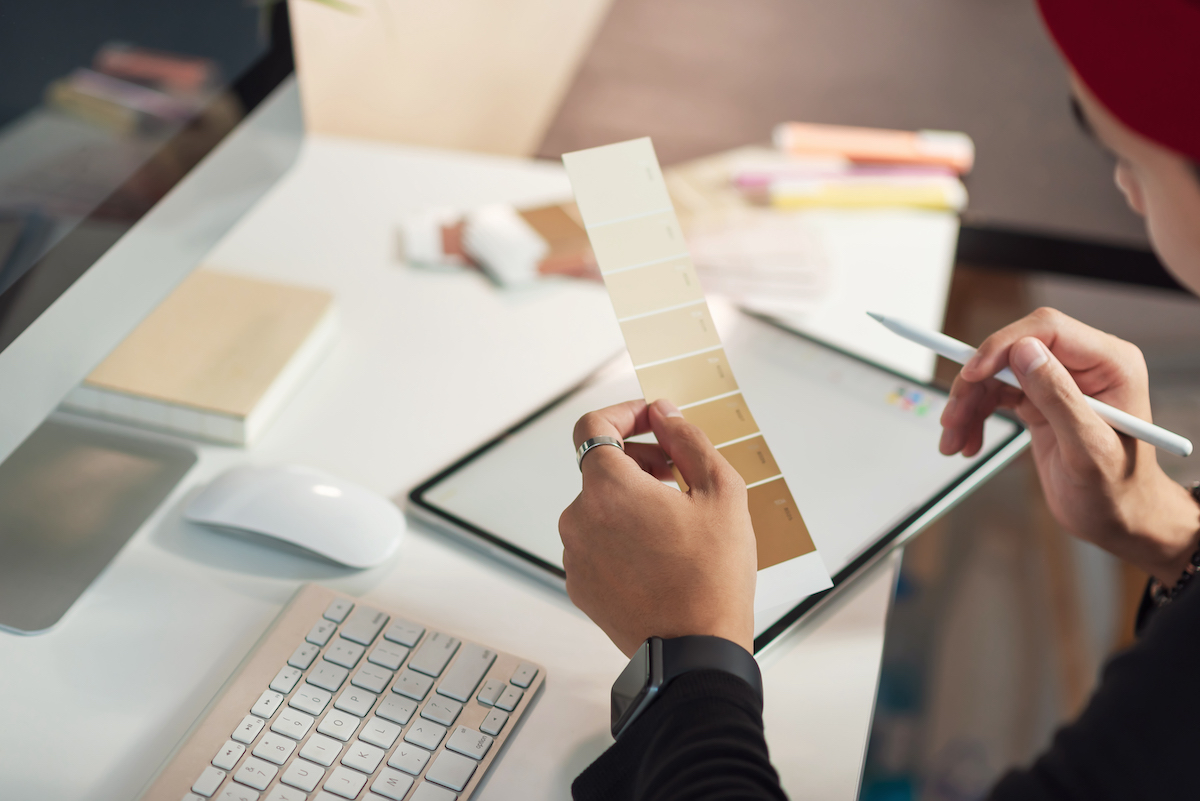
x,y
938,504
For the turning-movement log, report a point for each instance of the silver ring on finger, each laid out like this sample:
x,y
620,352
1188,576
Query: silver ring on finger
x,y
595,442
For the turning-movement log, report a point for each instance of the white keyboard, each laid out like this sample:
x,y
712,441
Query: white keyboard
x,y
341,701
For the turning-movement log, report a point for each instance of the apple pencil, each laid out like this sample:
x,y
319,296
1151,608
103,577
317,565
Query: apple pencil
x,y
961,353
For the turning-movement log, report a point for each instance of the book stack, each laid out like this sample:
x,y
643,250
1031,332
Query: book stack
x,y
216,361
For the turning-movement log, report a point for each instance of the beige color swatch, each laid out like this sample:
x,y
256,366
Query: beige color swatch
x,y
752,459
639,241
463,74
688,380
670,333
658,286
723,419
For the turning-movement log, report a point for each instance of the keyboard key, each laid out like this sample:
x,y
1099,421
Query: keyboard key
x,y
229,754
431,792
491,691
413,685
345,782
267,703
409,759
434,653
404,632
397,709
310,699
464,676
509,699
425,734
321,631
364,625
380,732
285,680
321,749
339,724
208,782
469,742
391,784
373,678
274,748
192,797
356,702
303,656
524,675
388,655
328,676
303,775
442,710
255,773
281,793
344,653
235,792
248,729
494,722
293,723
452,770
363,756
338,610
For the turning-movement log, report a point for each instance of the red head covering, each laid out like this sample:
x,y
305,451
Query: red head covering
x,y
1141,58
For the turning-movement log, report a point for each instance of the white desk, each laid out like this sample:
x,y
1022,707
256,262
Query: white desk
x,y
427,366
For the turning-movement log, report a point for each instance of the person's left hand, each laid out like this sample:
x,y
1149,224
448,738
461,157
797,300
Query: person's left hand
x,y
644,559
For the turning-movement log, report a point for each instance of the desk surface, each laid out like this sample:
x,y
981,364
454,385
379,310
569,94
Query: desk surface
x,y
413,382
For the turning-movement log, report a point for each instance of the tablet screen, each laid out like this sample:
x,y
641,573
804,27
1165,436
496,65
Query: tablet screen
x,y
857,443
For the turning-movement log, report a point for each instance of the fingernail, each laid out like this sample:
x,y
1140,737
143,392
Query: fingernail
x,y
666,408
948,436
949,408
1028,355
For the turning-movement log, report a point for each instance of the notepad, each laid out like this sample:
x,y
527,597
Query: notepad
x,y
676,349
217,360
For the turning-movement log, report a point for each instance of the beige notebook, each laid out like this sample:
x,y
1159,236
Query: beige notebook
x,y
216,360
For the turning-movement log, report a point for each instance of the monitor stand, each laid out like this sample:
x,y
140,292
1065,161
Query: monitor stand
x,y
70,497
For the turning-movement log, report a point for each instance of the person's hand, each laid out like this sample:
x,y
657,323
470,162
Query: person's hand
x,y
1102,486
644,559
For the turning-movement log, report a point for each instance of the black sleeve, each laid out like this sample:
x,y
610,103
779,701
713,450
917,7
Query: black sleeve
x,y
1140,734
701,740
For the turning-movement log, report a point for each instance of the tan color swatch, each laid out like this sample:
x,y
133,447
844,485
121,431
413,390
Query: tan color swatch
x,y
657,286
642,240
778,527
752,459
688,380
722,419
670,333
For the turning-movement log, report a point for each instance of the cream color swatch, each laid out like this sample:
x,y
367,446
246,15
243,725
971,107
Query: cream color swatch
x,y
464,74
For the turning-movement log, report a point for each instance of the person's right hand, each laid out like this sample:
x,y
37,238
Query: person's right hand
x,y
1102,486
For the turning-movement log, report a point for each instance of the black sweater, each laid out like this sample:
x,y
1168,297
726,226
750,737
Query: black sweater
x,y
702,740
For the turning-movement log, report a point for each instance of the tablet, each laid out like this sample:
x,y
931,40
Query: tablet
x,y
856,441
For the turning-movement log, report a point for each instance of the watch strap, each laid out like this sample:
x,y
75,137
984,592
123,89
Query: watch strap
x,y
701,652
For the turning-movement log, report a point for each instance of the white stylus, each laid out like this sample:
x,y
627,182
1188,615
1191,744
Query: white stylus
x,y
961,353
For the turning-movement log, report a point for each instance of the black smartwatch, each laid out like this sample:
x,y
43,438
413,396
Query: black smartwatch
x,y
660,661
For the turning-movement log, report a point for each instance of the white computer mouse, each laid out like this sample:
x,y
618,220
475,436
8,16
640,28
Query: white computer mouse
x,y
305,507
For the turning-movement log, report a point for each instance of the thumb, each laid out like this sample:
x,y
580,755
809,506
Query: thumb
x,y
1050,388
698,462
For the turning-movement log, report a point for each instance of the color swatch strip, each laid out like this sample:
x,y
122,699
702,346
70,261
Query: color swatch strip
x,y
669,329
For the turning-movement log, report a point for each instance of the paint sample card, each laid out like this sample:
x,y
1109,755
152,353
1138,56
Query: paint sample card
x,y
676,349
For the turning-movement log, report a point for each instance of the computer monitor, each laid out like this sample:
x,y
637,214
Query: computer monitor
x,y
133,135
